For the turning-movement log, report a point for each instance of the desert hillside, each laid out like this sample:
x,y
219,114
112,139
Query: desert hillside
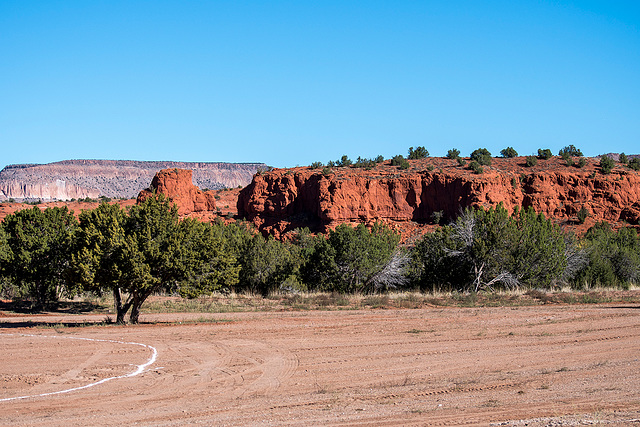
x,y
435,190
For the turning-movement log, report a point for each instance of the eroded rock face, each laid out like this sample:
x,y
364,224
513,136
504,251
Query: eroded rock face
x,y
280,200
177,185
75,179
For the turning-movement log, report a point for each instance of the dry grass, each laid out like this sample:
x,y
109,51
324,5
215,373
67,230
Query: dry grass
x,y
219,303
246,302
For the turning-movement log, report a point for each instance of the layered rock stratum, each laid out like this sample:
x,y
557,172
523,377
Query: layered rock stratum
x,y
283,199
77,179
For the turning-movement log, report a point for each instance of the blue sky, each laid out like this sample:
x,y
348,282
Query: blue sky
x,y
292,82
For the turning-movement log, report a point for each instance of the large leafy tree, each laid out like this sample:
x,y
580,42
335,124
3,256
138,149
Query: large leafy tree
x,y
40,244
5,251
205,263
351,258
98,257
149,250
5,260
541,253
266,264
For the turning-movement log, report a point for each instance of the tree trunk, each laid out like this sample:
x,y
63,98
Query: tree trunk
x,y
135,310
121,310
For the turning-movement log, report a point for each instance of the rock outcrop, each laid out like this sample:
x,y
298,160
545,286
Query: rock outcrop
x,y
76,179
177,185
283,199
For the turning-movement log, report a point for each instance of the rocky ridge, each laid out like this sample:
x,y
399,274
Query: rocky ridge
x,y
177,185
280,200
77,179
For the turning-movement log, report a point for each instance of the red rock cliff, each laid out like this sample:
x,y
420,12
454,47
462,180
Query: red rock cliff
x,y
283,199
177,185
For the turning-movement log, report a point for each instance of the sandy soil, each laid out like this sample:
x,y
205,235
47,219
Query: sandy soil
x,y
548,365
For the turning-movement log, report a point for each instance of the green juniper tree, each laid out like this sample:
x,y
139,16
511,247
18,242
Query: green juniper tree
x,y
349,259
418,153
40,243
149,250
482,156
486,248
509,152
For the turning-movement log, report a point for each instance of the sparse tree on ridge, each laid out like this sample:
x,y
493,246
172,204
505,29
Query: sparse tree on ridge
x,y
509,152
569,151
454,154
418,153
482,156
544,154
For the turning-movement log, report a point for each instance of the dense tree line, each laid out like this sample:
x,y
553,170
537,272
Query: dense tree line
x,y
132,254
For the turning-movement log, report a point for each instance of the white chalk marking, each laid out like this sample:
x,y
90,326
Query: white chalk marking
x,y
140,368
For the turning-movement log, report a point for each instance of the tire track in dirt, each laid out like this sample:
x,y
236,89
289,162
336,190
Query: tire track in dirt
x,y
457,340
446,351
234,368
139,368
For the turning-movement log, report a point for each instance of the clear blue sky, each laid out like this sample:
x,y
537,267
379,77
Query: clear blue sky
x,y
293,82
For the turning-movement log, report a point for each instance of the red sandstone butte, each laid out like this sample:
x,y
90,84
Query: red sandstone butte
x,y
282,199
177,185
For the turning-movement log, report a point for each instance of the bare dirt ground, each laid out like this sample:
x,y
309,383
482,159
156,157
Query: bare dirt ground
x,y
543,365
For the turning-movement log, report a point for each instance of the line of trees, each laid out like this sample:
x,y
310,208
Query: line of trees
x,y
132,254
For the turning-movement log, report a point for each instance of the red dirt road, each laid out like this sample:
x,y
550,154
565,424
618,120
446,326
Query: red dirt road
x,y
549,365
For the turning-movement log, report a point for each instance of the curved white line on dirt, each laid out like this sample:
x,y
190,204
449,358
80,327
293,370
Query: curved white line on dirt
x,y
139,368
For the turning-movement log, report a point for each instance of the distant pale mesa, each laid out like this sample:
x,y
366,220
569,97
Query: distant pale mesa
x,y
79,179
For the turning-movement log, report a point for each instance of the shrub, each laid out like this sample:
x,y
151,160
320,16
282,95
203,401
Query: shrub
x,y
606,164
531,161
544,154
509,152
379,159
344,162
583,213
634,163
316,165
475,167
582,162
437,216
570,150
482,156
623,159
418,153
365,163
350,258
266,264
400,161
569,160
326,171
486,248
454,153
613,257
461,161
